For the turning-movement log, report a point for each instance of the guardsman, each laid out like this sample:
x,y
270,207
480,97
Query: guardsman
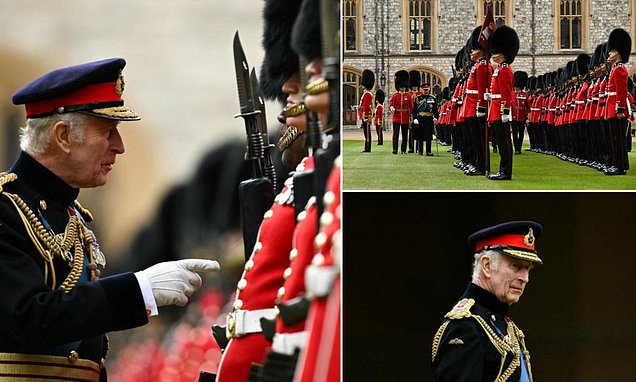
x,y
262,277
378,120
401,105
414,85
365,109
478,341
504,45
520,109
425,114
54,305
617,109
475,106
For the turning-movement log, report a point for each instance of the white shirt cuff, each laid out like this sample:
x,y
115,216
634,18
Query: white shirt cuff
x,y
146,292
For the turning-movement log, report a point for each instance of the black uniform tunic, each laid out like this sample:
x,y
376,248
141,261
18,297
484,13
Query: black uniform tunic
x,y
35,318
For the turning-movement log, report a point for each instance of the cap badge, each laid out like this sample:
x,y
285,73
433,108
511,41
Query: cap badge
x,y
529,238
119,85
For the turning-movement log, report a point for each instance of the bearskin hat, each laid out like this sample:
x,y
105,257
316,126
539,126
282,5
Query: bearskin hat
x,y
306,38
368,79
532,83
279,62
473,40
603,56
459,59
414,78
582,63
506,42
452,83
521,79
446,93
620,41
571,69
379,96
596,57
401,79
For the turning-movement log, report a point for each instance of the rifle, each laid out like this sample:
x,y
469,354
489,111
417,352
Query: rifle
x,y
256,195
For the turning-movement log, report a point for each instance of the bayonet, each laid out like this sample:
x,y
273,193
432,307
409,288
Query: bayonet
x,y
261,121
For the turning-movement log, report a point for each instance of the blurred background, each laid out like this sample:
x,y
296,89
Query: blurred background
x,y
407,263
173,193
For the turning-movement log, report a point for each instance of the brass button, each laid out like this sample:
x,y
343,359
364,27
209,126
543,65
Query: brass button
x,y
326,218
257,247
292,254
73,356
60,109
249,265
238,304
242,284
329,198
318,260
268,214
43,205
287,273
281,292
102,363
321,239
302,216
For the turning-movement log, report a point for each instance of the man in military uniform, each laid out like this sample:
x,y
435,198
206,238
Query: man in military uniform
x,y
55,307
478,341
424,114
378,120
365,109
414,85
401,106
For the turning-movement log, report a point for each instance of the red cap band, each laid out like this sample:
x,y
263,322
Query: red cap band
x,y
505,239
93,93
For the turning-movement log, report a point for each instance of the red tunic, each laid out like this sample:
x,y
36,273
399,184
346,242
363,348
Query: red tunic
x,y
520,106
366,106
501,91
403,104
616,91
476,87
379,114
552,104
591,112
602,99
261,280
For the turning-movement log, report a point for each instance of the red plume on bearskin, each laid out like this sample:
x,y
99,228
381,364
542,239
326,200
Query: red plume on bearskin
x,y
620,41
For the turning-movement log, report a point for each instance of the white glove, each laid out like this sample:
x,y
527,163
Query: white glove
x,y
487,97
434,120
505,118
173,282
416,122
392,109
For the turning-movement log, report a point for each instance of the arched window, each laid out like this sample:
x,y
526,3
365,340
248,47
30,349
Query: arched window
x,y
350,94
350,23
571,24
420,17
501,12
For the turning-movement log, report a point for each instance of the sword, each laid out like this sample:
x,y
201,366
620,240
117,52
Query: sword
x,y
256,195
268,166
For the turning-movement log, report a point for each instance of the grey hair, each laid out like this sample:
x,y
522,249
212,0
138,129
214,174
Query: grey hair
x,y
494,261
35,136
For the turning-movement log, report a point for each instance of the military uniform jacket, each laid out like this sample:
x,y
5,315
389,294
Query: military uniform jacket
x,y
477,342
38,318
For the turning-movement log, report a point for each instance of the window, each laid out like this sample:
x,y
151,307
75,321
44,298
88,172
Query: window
x,y
432,76
501,12
570,24
350,24
420,22
351,95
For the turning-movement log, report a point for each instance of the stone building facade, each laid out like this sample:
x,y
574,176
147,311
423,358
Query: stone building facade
x,y
378,35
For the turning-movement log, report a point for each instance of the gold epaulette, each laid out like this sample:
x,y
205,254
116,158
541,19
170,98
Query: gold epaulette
x,y
461,309
7,177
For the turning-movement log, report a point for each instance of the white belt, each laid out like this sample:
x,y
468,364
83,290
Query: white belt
x,y
493,96
534,109
551,109
469,91
579,102
611,93
287,343
319,279
594,98
242,322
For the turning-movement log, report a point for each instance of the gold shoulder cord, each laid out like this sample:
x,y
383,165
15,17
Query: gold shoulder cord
x,y
76,237
438,337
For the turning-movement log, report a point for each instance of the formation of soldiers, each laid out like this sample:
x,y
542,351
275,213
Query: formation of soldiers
x,y
578,113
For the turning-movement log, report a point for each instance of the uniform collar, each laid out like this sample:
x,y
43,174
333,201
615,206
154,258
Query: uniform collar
x,y
485,299
43,181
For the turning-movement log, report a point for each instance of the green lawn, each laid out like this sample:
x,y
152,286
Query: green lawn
x,y
381,170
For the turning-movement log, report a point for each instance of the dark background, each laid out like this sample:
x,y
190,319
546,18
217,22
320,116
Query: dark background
x,y
406,263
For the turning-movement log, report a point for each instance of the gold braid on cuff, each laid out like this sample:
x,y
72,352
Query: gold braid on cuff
x,y
294,110
317,87
289,136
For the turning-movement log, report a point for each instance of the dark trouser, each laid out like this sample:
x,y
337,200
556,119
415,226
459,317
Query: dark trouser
x,y
504,142
396,134
618,131
607,146
518,128
411,139
532,127
478,142
378,130
366,129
